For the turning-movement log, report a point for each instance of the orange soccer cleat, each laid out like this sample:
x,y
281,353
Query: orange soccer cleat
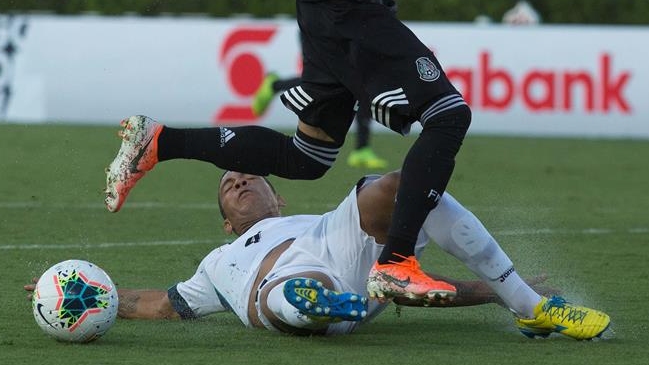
x,y
137,155
405,278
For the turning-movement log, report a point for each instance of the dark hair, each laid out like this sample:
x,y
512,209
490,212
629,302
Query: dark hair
x,y
218,195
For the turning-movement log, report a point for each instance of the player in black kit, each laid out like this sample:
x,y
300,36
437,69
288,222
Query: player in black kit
x,y
355,53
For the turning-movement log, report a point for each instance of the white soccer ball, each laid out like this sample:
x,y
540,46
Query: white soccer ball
x,y
75,301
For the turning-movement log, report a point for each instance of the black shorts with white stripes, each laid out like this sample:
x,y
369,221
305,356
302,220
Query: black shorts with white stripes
x,y
359,51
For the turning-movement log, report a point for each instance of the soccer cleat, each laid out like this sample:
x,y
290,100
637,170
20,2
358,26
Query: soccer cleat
x,y
137,155
366,158
264,95
315,301
405,278
557,315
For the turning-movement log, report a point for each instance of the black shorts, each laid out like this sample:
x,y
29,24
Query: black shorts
x,y
359,51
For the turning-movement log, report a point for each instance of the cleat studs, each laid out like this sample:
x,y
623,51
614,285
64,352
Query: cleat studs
x,y
318,310
327,310
123,135
319,284
308,305
298,299
353,298
363,314
353,313
298,283
325,292
307,282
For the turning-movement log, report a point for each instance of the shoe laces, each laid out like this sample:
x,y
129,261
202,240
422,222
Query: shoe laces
x,y
412,266
560,308
408,261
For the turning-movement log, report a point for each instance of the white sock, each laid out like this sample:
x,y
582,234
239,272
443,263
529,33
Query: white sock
x,y
288,313
456,230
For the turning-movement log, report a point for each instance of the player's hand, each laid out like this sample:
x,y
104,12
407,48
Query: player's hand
x,y
29,288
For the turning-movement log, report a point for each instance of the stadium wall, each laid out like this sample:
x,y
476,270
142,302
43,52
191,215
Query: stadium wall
x,y
585,81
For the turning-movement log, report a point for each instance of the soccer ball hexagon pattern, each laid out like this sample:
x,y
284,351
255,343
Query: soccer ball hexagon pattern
x,y
75,301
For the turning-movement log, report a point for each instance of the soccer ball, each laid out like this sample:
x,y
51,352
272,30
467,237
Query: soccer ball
x,y
75,301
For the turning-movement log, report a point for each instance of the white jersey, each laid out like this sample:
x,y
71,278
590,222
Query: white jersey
x,y
231,269
332,243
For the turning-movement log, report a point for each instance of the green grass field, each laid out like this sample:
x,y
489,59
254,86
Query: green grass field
x,y
575,209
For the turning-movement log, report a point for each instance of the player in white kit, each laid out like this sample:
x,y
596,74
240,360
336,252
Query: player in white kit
x,y
259,274
332,247
307,274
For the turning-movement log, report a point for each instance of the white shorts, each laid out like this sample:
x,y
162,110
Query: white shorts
x,y
339,248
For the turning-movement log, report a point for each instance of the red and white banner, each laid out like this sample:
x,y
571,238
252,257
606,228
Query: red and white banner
x,y
519,80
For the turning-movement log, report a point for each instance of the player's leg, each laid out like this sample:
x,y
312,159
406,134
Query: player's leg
x,y
269,87
459,232
325,109
306,303
385,77
363,156
250,149
405,83
363,122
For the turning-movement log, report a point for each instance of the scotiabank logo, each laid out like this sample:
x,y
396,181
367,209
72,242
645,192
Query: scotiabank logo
x,y
244,71
486,85
492,87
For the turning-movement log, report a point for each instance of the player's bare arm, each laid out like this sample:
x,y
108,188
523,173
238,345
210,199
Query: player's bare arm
x,y
145,304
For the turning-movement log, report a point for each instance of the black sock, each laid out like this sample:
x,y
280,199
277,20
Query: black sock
x,y
362,130
426,172
171,144
251,149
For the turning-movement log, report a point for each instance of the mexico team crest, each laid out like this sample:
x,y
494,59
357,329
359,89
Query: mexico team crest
x,y
427,69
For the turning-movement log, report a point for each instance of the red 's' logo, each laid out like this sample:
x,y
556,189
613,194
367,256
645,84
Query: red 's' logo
x,y
244,70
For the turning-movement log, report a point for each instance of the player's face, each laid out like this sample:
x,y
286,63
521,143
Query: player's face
x,y
246,199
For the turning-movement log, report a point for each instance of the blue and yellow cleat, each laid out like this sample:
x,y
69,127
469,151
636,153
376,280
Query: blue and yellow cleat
x,y
315,301
557,315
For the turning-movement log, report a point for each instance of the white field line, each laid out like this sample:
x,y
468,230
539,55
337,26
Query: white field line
x,y
213,206
135,205
65,246
516,232
207,205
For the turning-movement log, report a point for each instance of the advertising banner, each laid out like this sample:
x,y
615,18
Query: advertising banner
x,y
535,80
